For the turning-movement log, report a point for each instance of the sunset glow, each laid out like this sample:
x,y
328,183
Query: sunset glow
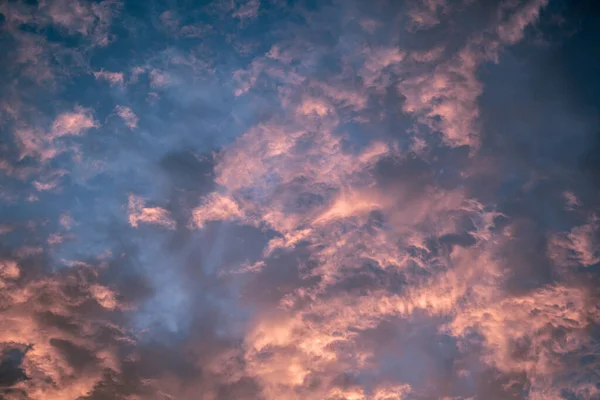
x,y
299,200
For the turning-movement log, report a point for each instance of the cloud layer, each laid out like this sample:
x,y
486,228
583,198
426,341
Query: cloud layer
x,y
301,200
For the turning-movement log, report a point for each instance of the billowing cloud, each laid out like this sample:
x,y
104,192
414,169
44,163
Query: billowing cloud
x,y
323,201
60,354
532,334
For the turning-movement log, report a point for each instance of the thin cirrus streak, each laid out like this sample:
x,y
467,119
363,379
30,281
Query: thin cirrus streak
x,y
299,200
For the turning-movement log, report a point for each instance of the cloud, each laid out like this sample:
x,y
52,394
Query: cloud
x,y
33,142
128,116
74,122
247,10
66,221
49,181
158,78
216,208
61,358
446,97
426,14
88,19
172,22
580,246
114,78
9,269
104,296
45,145
350,201
150,215
530,334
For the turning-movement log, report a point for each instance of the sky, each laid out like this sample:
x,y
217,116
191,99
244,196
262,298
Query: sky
x,y
299,200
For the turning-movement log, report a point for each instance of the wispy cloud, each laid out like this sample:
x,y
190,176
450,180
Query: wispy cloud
x,y
150,215
74,122
114,78
128,116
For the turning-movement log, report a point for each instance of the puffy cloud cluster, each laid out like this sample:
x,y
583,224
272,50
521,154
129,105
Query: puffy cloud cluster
x,y
45,145
58,349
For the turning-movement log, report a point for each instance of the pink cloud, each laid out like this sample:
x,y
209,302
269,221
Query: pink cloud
x,y
114,78
137,212
350,244
47,363
248,10
425,14
579,246
158,78
216,207
128,116
445,98
88,19
73,123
